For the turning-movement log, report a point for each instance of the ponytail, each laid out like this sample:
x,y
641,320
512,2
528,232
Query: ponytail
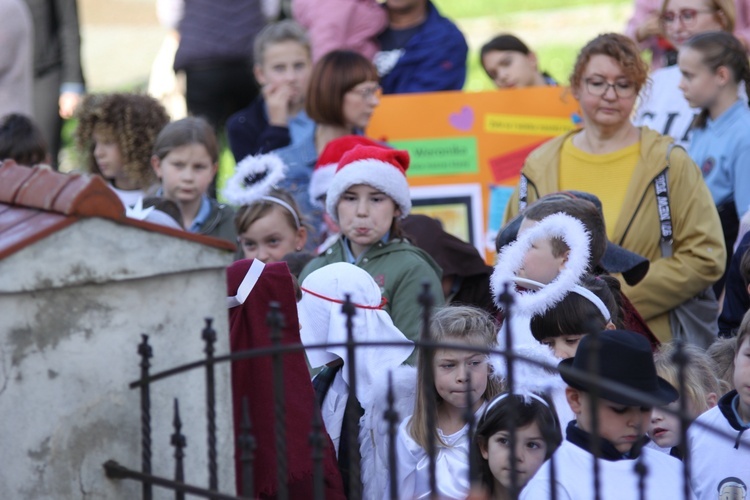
x,y
719,48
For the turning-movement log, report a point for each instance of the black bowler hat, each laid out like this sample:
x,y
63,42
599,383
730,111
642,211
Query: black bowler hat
x,y
624,357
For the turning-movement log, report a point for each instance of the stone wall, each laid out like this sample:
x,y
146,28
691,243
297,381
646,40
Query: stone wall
x,y
68,350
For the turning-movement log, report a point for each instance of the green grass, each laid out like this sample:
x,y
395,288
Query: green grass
x,y
456,9
226,167
557,59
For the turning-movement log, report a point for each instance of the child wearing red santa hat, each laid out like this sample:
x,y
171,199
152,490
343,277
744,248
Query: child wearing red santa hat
x,y
321,179
366,198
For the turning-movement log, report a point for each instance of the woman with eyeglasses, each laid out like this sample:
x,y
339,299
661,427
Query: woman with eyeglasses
x,y
343,93
621,164
663,107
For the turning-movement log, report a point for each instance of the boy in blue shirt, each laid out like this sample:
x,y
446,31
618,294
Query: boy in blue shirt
x,y
277,118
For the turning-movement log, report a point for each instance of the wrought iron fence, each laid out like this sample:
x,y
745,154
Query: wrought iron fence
x,y
246,442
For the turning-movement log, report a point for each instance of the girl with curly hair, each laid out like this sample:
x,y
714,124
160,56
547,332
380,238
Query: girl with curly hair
x,y
116,134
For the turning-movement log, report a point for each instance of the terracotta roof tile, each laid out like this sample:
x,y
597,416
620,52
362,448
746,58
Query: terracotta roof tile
x,y
69,194
12,178
36,202
20,227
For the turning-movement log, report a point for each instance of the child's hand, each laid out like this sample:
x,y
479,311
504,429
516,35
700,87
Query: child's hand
x,y
68,103
277,96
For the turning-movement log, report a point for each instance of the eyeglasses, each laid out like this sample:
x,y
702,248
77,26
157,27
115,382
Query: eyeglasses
x,y
687,16
599,87
368,92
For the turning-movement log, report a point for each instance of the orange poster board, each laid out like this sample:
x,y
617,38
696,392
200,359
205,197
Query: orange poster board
x,y
467,149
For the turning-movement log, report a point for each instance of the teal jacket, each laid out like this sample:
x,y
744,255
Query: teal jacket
x,y
399,268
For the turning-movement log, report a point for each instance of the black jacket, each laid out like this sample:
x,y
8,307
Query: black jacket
x,y
57,39
250,133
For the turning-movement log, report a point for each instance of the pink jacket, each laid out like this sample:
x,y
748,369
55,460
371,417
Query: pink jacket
x,y
641,11
341,24
742,23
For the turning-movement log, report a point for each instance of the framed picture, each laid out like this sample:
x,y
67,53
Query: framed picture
x,y
457,206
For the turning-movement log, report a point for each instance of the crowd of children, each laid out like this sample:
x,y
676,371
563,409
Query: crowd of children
x,y
601,403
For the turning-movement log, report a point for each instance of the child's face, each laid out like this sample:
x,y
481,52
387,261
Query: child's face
x,y
539,264
700,85
742,377
365,216
108,156
271,237
619,424
665,427
510,69
455,371
286,64
359,104
564,346
531,448
185,173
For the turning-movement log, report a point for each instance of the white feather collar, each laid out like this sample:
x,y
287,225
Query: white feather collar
x,y
510,260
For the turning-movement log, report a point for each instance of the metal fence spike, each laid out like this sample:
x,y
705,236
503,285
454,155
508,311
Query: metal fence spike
x,y
247,445
179,441
209,337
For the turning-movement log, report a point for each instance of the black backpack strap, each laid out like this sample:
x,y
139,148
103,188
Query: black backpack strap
x,y
523,192
661,188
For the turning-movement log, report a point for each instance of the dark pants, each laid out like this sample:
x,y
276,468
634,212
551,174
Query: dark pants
x,y
730,225
216,92
47,110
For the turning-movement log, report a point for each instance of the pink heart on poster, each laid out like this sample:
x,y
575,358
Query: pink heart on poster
x,y
463,120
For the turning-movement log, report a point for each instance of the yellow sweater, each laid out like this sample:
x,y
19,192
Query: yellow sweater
x,y
605,175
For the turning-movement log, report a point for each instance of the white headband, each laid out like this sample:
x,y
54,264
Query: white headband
x,y
583,292
286,205
591,296
524,395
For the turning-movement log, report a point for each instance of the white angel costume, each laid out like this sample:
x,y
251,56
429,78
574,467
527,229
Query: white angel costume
x,y
322,322
535,299
451,464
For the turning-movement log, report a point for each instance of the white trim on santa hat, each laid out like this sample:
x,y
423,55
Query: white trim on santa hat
x,y
381,175
320,179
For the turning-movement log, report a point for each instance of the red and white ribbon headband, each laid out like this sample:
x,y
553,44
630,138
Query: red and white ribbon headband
x,y
383,300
